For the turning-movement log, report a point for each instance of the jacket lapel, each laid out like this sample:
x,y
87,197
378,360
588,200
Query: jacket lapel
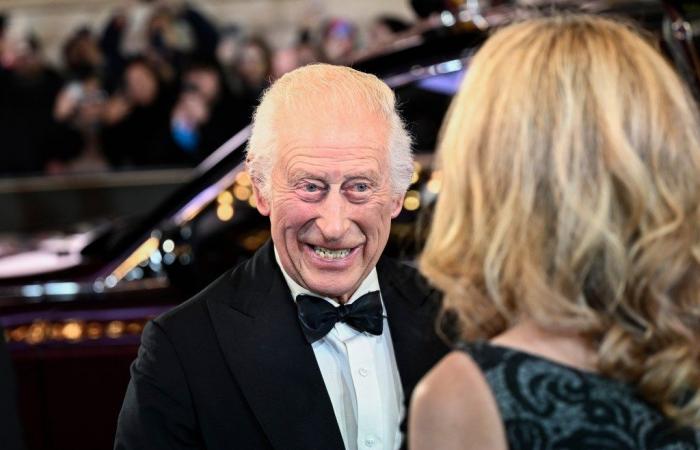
x,y
264,347
411,307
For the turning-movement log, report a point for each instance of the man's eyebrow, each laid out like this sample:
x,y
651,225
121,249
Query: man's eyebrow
x,y
300,174
372,176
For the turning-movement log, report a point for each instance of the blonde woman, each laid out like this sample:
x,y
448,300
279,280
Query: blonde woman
x,y
567,242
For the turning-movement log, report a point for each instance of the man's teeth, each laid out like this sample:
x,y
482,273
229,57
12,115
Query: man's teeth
x,y
327,253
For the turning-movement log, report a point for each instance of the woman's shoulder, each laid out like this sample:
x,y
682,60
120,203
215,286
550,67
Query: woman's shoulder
x,y
453,406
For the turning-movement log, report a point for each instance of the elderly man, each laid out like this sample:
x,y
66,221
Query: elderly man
x,y
316,342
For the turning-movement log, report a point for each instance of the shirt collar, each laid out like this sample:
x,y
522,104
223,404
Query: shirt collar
x,y
369,284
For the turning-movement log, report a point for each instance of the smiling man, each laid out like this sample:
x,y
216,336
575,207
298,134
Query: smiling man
x,y
317,341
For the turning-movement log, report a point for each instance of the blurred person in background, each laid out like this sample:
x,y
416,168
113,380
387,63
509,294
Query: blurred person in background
x,y
303,52
3,23
385,29
306,48
3,40
78,109
284,60
203,117
338,41
167,42
174,32
135,117
78,113
82,55
252,72
228,47
110,43
27,92
566,239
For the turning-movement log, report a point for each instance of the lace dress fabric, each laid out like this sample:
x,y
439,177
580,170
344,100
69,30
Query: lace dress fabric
x,y
548,406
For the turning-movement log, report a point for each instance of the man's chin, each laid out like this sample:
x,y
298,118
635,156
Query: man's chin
x,y
335,290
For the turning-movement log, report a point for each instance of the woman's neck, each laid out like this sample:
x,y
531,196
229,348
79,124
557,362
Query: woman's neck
x,y
565,348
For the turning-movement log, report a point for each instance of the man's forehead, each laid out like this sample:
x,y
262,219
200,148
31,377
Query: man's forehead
x,y
346,157
332,173
332,129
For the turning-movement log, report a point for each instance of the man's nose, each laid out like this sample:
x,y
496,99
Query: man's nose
x,y
333,221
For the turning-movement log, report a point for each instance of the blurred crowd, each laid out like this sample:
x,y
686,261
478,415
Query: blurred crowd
x,y
169,101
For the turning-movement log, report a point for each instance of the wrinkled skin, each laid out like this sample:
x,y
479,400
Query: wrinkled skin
x,y
331,188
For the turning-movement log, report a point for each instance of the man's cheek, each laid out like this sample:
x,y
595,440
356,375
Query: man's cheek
x,y
381,209
296,215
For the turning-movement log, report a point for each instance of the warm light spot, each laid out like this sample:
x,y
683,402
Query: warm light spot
x,y
242,193
73,330
19,333
251,243
255,240
57,331
224,198
416,172
434,186
115,329
412,201
93,330
224,212
134,328
252,202
243,179
411,204
435,183
38,331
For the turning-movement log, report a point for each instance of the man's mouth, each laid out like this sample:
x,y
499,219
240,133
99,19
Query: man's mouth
x,y
331,254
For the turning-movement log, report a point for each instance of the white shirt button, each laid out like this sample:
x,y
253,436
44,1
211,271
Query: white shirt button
x,y
370,441
363,372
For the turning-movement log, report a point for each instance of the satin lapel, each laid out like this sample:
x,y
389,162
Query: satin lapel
x,y
275,367
410,306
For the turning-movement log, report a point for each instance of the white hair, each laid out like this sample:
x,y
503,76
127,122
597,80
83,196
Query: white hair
x,y
322,86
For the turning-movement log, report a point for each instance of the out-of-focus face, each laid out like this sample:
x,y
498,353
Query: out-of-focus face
x,y
141,84
205,82
331,200
252,64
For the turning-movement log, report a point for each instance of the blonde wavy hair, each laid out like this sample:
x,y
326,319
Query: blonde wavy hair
x,y
571,196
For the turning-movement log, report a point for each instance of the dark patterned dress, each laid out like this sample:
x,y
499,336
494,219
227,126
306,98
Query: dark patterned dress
x,y
548,406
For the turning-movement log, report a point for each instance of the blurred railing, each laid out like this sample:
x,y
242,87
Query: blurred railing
x,y
50,203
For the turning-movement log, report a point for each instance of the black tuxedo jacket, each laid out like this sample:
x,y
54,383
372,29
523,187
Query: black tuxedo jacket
x,y
230,368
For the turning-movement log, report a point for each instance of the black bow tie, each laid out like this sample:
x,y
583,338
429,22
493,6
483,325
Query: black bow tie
x,y
318,317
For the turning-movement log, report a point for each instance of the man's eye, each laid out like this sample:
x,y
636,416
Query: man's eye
x,y
310,187
362,187
358,191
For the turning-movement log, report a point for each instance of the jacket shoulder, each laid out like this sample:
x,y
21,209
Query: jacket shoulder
x,y
406,278
190,314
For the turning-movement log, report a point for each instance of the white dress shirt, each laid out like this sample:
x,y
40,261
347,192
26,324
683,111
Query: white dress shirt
x,y
361,377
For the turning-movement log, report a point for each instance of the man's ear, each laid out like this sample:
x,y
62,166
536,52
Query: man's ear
x,y
261,202
397,205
